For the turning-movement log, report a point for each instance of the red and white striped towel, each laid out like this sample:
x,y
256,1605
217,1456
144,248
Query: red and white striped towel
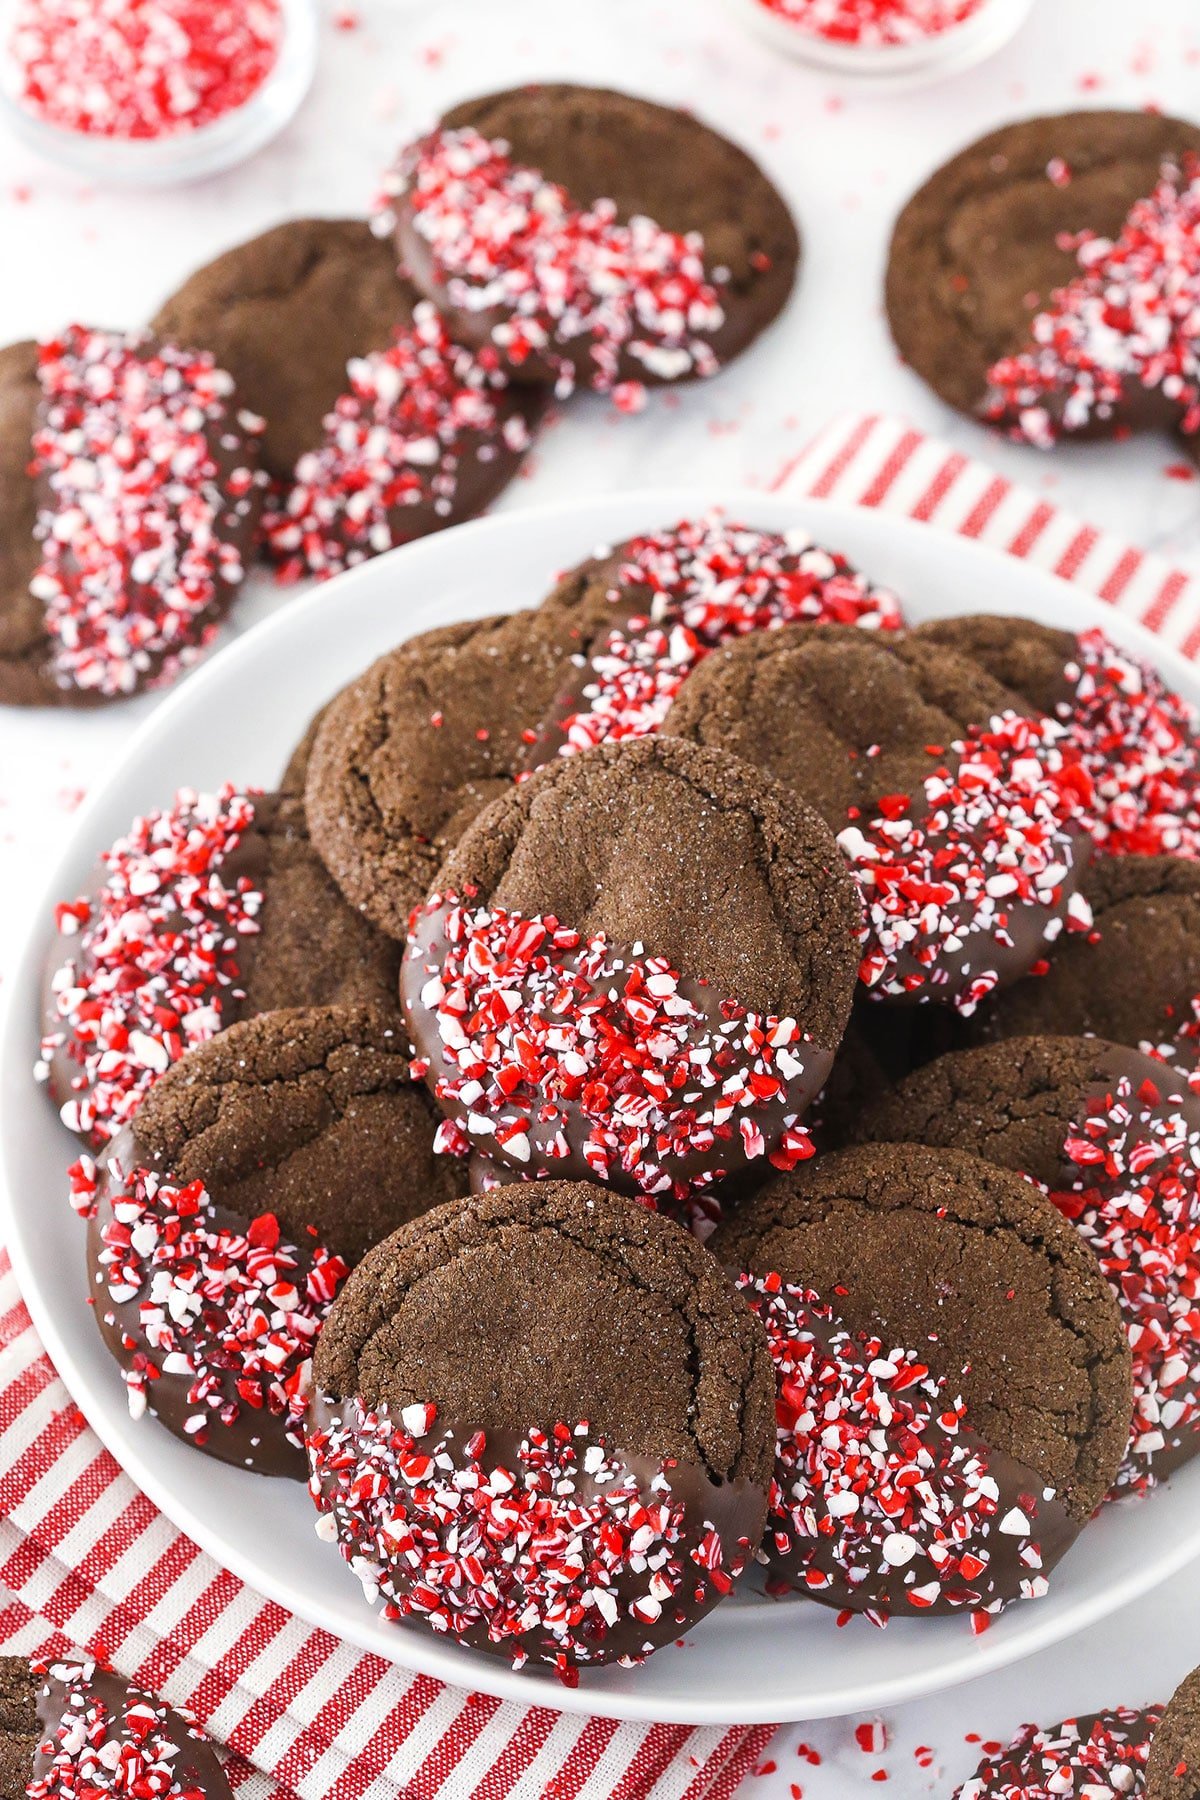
x,y
89,1561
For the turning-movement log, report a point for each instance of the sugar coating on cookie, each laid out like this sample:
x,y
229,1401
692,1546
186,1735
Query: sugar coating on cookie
x,y
212,1317
148,496
154,957
982,858
1127,319
1173,1768
1080,1759
406,449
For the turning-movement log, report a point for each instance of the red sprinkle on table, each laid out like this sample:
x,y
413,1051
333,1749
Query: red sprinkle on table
x,y
1136,1200
142,68
537,1023
943,875
415,413
93,1752
1081,1759
157,958
503,237
1140,745
236,1312
1126,322
545,1552
875,1474
710,581
138,520
872,23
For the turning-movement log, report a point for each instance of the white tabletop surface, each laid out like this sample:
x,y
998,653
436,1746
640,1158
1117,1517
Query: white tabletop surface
x,y
847,159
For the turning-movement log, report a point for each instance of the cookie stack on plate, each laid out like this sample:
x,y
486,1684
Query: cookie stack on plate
x,y
690,1084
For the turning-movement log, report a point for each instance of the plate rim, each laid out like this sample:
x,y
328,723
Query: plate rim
x,y
415,1650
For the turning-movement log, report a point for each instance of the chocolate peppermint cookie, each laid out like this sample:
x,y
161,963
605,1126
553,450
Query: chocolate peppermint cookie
x,y
129,501
1113,1137
70,1727
1173,1768
1102,1753
542,1421
1134,978
635,967
952,1379
410,753
212,910
591,236
957,814
1043,277
268,1161
1136,739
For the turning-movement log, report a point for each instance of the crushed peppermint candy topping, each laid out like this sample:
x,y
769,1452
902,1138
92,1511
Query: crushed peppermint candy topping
x,y
145,488
549,1543
1098,1758
142,68
873,23
549,1046
710,581
397,440
232,1308
881,1494
1140,745
154,958
93,1749
503,237
1136,1200
1129,320
945,877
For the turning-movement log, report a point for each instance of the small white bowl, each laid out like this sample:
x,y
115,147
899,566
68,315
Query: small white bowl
x,y
184,155
887,65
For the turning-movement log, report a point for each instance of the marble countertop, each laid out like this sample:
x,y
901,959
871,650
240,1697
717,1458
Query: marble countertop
x,y
847,158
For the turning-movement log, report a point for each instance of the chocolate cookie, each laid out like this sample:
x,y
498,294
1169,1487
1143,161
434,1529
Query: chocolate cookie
x,y
295,772
212,910
269,1160
70,1727
129,501
636,967
411,752
1136,739
1104,1753
284,313
981,250
957,815
1114,1138
560,1347
1133,978
1173,1768
952,1379
588,235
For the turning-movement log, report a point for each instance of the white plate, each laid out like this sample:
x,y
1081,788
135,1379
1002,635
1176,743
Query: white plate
x,y
236,719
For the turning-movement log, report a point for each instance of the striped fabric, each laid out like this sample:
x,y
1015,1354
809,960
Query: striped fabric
x,y
87,1560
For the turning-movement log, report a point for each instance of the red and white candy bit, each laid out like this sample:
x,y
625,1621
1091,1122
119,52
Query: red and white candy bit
x,y
1127,321
398,439
1136,1199
556,1045
501,236
142,68
942,874
157,959
138,535
235,1312
872,23
711,581
877,1478
1140,745
1098,1758
550,1552
93,1751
